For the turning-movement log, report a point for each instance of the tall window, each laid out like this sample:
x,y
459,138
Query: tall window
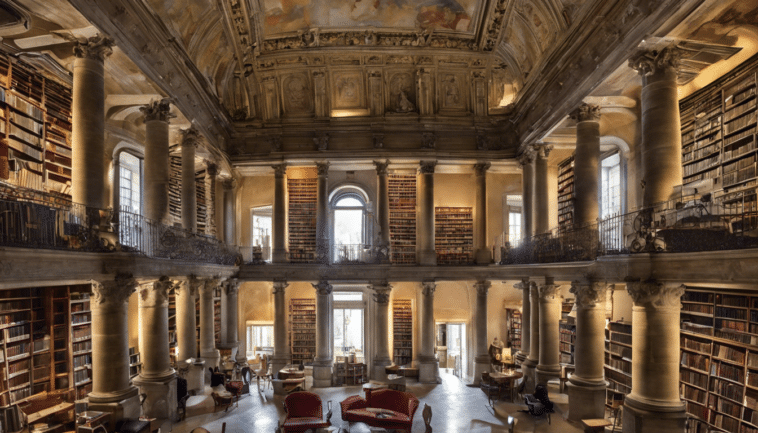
x,y
348,324
260,338
130,182
514,203
611,186
349,230
260,221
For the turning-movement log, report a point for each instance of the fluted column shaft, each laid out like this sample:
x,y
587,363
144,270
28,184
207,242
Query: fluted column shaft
x,y
208,349
383,208
282,354
88,122
157,115
541,207
279,221
587,165
322,213
526,315
425,249
189,190
482,359
483,254
382,353
186,319
550,315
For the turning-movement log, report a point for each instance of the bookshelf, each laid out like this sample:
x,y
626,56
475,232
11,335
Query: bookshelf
x,y
454,235
719,357
216,316
175,187
402,196
172,336
566,193
302,218
135,364
618,359
402,331
568,339
200,203
35,126
302,330
81,332
513,318
348,374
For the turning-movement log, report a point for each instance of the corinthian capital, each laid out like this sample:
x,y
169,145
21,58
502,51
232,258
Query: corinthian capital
x,y
155,294
585,113
524,284
381,167
527,156
279,170
191,285
482,287
232,286
97,47
381,292
158,110
322,168
279,286
548,291
543,150
649,62
190,136
114,292
209,286
428,288
481,168
323,288
655,294
588,294
427,167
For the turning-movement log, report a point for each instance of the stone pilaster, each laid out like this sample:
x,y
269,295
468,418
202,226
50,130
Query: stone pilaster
x,y
482,356
482,253
526,160
428,365
208,351
382,353
661,124
322,213
587,165
190,139
157,116
279,222
549,366
654,404
230,219
529,367
88,121
524,285
383,209
112,390
282,355
541,208
425,252
322,365
586,387
157,380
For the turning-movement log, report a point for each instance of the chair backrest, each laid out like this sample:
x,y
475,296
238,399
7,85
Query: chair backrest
x,y
399,401
301,404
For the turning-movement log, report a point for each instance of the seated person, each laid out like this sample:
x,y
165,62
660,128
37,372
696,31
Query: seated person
x,y
495,351
538,403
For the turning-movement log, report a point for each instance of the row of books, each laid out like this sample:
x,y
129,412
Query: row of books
x,y
740,110
739,123
745,147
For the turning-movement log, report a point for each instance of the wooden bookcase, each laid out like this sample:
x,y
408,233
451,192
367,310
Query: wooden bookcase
x,y
454,235
302,330
347,374
81,332
35,123
568,339
618,359
302,219
172,337
719,357
217,315
402,196
200,201
135,364
566,193
513,318
175,194
402,331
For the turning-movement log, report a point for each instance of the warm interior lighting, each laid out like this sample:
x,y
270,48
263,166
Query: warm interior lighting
x,y
356,112
747,39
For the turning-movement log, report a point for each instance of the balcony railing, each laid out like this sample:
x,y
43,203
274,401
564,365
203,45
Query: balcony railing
x,y
30,224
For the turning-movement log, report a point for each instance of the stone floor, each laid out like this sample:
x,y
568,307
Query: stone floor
x,y
455,406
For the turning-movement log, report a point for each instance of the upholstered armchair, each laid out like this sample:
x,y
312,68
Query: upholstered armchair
x,y
304,412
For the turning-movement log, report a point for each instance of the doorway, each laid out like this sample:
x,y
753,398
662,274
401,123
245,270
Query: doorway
x,y
457,353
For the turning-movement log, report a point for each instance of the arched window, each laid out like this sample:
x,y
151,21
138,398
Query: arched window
x,y
350,234
130,183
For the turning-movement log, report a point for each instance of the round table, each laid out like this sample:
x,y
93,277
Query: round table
x,y
510,376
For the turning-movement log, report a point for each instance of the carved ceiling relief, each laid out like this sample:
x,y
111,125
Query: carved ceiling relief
x,y
402,93
503,88
452,96
297,94
348,91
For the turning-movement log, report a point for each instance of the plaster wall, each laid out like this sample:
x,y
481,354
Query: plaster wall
x,y
253,191
622,304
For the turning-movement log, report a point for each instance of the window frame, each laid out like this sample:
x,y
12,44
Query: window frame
x,y
262,211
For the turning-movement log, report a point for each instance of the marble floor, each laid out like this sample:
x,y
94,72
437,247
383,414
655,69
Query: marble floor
x,y
455,406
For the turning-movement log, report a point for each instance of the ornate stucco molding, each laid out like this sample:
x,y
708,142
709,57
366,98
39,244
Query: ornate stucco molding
x,y
98,47
649,62
381,167
527,156
232,286
428,288
279,286
323,168
427,167
548,291
655,294
381,292
588,294
323,288
586,113
158,110
190,136
114,292
155,294
481,168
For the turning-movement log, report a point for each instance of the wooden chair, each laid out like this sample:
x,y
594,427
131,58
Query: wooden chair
x,y
490,388
263,373
539,404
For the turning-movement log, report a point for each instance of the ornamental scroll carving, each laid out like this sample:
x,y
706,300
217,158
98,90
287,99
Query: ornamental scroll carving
x,y
654,294
322,168
548,291
543,150
209,286
428,288
155,294
97,47
158,110
323,288
279,286
114,292
527,156
381,167
232,286
381,292
427,167
524,284
586,113
192,285
482,287
279,170
588,294
650,62
190,136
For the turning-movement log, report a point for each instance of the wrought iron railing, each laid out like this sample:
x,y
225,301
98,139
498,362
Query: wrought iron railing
x,y
31,224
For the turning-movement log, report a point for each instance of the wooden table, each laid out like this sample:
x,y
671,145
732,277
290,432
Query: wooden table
x,y
595,425
509,377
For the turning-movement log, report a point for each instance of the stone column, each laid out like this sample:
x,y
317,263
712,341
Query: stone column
x,y
482,359
653,405
186,320
523,352
549,366
382,352
322,213
529,366
208,351
526,159
211,171
157,116
541,206
586,388
383,209
282,355
229,217
279,222
428,365
661,124
425,250
112,390
190,138
229,306
483,253
88,121
587,165
322,365
157,380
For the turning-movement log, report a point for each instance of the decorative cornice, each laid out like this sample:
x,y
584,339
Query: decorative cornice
x,y
381,167
279,286
548,291
586,113
280,169
428,288
323,168
482,287
158,110
655,294
190,136
588,294
481,168
114,292
323,288
97,47
650,62
427,167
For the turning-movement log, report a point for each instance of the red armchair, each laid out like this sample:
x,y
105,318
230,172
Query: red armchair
x,y
304,412
386,408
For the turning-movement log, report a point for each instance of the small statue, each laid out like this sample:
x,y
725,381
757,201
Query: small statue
x,y
403,104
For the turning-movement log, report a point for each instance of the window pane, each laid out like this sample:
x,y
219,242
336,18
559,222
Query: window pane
x,y
348,227
262,228
130,182
348,296
349,202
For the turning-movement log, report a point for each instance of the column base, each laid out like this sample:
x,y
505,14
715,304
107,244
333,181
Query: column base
x,y
196,377
279,256
160,396
277,363
211,357
240,357
121,408
644,418
544,373
377,369
428,371
586,401
483,256
529,368
427,258
322,376
481,364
